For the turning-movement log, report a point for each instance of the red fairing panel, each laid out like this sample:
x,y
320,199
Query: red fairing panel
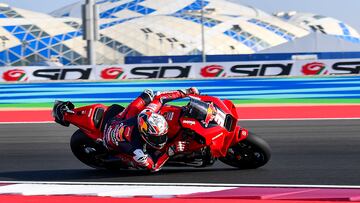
x,y
218,138
172,115
83,118
231,107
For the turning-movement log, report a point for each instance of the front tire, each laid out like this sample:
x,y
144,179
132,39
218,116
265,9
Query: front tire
x,y
251,153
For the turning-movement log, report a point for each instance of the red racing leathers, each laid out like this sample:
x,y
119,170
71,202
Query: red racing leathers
x,y
122,134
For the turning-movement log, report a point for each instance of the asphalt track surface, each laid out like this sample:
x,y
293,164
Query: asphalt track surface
x,y
320,152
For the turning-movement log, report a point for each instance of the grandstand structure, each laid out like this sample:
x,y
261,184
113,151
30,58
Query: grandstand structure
x,y
155,28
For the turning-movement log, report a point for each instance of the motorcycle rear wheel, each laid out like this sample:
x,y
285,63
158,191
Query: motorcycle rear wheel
x,y
251,153
79,143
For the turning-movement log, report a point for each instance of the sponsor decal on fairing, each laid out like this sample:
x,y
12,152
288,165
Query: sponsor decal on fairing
x,y
169,115
89,114
217,136
220,118
210,114
244,132
188,122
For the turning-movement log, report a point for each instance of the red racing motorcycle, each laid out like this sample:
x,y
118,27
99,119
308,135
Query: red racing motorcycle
x,y
209,124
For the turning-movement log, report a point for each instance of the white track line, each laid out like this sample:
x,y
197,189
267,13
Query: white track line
x,y
184,184
164,191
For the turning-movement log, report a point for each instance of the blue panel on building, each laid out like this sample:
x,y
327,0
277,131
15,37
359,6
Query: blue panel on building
x,y
46,40
54,41
53,53
78,33
72,34
9,28
67,37
28,51
20,36
41,45
16,49
18,29
345,30
196,5
13,57
141,9
45,53
32,44
108,13
65,61
29,37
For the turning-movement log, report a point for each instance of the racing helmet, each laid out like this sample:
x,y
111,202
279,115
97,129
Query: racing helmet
x,y
153,128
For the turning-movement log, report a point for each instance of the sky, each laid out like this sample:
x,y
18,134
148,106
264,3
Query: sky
x,y
344,10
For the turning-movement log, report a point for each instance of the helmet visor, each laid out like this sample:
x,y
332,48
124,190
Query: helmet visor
x,y
157,141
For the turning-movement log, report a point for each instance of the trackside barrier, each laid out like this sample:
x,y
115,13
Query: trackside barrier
x,y
183,70
326,90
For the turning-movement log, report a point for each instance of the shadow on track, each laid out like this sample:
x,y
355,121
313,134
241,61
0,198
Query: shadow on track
x,y
64,175
96,174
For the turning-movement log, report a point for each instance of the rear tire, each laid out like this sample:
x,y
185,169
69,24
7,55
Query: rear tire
x,y
79,142
251,153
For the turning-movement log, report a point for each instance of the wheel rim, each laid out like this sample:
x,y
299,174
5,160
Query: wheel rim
x,y
247,153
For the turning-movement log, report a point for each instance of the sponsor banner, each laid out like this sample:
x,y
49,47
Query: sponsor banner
x,y
280,68
145,71
183,70
327,67
230,69
39,73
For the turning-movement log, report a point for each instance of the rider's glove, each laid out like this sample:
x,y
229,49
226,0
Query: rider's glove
x,y
140,158
147,96
191,90
178,147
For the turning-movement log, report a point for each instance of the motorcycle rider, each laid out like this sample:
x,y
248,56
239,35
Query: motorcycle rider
x,y
139,127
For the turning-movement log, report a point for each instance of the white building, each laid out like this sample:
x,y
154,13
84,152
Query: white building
x,y
153,28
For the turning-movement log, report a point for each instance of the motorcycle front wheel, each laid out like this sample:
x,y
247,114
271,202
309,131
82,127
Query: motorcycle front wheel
x,y
251,153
